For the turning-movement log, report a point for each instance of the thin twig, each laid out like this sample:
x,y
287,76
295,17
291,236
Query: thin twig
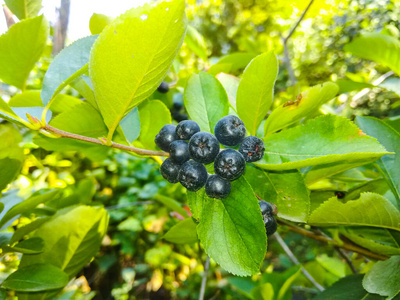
x,y
346,258
298,22
294,259
333,242
9,16
286,58
204,279
74,136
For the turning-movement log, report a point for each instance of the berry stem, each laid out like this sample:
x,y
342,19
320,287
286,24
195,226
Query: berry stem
x,y
74,136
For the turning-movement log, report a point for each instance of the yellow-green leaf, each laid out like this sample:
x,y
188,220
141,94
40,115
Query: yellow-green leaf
x,y
20,48
256,90
98,22
132,55
24,8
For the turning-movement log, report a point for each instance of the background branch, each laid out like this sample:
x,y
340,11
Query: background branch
x,y
204,279
286,57
294,259
331,241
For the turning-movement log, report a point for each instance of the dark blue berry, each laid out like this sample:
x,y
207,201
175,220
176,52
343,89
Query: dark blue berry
x,y
170,170
216,187
179,151
203,147
229,164
270,225
192,175
186,129
165,137
252,148
266,208
230,131
163,87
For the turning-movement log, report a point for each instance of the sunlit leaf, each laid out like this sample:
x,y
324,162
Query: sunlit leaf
x,y
20,48
151,36
24,8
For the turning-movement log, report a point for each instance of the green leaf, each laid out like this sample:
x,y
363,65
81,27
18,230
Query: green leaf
x,y
24,9
205,100
72,237
9,169
36,278
196,43
130,125
378,240
264,291
7,113
244,285
310,102
231,85
232,231
131,224
256,90
171,204
394,122
152,36
23,231
286,190
377,47
384,278
84,87
390,139
324,140
196,202
80,119
347,85
68,65
349,287
369,210
98,22
26,205
153,116
29,246
232,62
20,48
391,84
184,232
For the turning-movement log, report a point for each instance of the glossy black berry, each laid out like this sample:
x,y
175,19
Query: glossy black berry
x,y
193,175
179,151
216,187
163,87
266,208
270,225
252,148
229,164
230,131
203,147
165,137
170,170
186,129
339,194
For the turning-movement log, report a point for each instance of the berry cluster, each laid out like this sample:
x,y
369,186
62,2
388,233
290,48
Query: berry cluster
x,y
267,212
190,149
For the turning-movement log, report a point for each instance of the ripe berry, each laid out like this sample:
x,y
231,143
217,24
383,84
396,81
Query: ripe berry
x,y
229,164
186,129
230,131
252,148
193,175
165,137
170,170
216,187
179,151
164,87
266,208
339,194
203,147
270,225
